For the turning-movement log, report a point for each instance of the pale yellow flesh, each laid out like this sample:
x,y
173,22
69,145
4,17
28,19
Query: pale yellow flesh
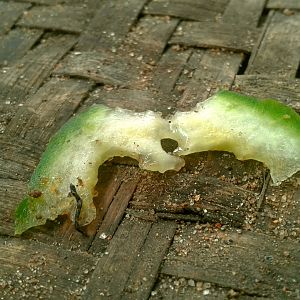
x,y
124,133
104,134
218,125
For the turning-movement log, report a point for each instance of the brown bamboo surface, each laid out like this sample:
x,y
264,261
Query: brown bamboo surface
x,y
195,234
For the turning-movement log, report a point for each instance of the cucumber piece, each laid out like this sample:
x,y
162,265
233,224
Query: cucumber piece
x,y
263,130
75,153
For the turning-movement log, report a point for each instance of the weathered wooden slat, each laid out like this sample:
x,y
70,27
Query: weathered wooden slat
x,y
18,157
278,52
211,199
110,25
145,271
249,262
9,14
147,41
244,13
171,287
281,4
115,212
215,35
68,18
47,110
203,10
103,67
11,192
168,70
33,270
26,75
246,174
136,100
280,209
188,71
110,178
286,90
114,268
16,43
88,3
212,71
17,162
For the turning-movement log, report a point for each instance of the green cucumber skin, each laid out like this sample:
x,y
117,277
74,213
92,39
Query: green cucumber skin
x,y
269,109
57,143
27,212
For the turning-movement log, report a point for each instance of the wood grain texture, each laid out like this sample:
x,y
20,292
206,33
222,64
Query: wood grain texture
x,y
144,273
35,270
215,35
201,10
168,70
102,67
281,4
110,25
88,3
130,272
18,157
114,268
17,162
46,111
68,18
10,13
210,199
171,287
16,43
207,72
26,75
113,214
147,41
11,192
249,261
277,52
244,13
136,100
284,203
